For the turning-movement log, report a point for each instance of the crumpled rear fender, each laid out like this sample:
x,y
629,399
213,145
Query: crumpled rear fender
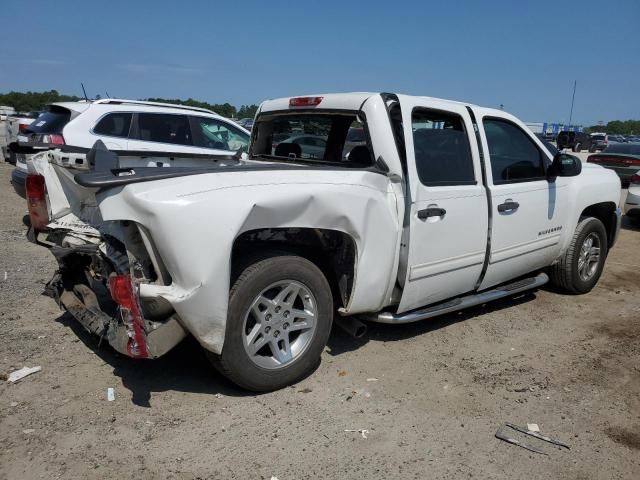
x,y
195,220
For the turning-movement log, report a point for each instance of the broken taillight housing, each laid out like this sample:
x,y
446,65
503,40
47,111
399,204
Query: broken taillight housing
x,y
37,201
124,294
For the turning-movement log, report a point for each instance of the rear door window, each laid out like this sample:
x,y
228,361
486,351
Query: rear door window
x,y
164,128
51,121
442,151
114,125
217,134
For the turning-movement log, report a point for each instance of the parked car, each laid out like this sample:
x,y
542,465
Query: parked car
x,y
632,202
622,158
599,141
254,259
128,125
633,138
13,126
616,138
245,123
576,141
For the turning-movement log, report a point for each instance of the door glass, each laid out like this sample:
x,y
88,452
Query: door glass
x,y
514,156
114,125
213,133
164,128
441,145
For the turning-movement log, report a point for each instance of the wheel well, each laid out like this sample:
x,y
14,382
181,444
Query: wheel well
x,y
332,251
606,213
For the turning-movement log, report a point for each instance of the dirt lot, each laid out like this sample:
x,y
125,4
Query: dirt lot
x,y
431,395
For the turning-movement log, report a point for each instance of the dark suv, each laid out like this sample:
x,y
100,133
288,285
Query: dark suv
x,y
576,141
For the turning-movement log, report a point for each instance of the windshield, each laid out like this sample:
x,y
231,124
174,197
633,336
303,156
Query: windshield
x,y
311,137
52,121
625,148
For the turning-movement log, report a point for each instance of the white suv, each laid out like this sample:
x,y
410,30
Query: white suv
x,y
128,125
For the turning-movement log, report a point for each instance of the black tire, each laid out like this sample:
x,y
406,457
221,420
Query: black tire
x,y
234,362
564,274
592,149
577,147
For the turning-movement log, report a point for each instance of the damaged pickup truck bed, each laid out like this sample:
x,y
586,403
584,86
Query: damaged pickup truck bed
x,y
441,206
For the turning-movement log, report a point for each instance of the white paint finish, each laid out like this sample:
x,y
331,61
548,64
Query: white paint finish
x,y
194,221
446,253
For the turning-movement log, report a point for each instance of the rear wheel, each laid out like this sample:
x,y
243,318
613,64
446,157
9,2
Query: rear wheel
x,y
577,147
581,265
278,323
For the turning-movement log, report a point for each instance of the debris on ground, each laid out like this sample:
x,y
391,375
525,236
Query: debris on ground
x,y
342,373
13,404
111,394
28,430
505,436
361,431
533,427
372,379
305,390
23,372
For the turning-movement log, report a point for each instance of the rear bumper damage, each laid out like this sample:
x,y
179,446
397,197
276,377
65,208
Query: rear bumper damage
x,y
106,309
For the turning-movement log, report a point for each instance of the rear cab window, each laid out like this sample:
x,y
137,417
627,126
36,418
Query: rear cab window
x,y
51,121
337,138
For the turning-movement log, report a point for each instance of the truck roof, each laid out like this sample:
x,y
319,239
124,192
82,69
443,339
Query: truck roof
x,y
348,101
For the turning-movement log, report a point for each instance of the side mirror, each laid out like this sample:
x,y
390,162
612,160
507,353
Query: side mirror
x,y
565,165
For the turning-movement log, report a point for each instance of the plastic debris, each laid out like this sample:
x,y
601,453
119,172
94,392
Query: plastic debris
x,y
273,477
362,431
533,427
23,372
28,430
372,379
13,404
111,394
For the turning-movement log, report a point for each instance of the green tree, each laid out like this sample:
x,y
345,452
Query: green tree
x,y
33,101
247,111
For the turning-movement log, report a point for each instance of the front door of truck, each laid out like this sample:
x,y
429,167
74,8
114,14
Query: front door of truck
x,y
528,212
447,231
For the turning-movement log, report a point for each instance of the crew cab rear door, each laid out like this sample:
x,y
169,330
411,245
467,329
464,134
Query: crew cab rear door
x,y
528,212
446,236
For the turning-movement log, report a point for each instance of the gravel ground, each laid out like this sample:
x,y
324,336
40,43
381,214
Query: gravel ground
x,y
431,395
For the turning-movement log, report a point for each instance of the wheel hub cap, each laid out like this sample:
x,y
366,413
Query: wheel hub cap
x,y
589,257
279,324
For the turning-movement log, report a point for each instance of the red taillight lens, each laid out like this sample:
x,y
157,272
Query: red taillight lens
x,y
22,127
54,139
123,293
305,101
37,201
635,178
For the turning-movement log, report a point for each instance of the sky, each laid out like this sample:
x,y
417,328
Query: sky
x,y
524,55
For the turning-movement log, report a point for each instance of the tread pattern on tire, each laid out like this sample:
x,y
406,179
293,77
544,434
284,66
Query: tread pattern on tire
x,y
561,273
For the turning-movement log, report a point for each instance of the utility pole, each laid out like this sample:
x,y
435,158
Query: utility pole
x,y
572,100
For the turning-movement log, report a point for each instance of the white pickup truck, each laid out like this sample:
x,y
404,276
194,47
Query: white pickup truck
x,y
439,206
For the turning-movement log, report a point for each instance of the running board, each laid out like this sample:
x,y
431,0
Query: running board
x,y
461,302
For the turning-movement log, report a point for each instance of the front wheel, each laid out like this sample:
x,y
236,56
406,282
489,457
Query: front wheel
x,y
577,147
581,265
278,323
